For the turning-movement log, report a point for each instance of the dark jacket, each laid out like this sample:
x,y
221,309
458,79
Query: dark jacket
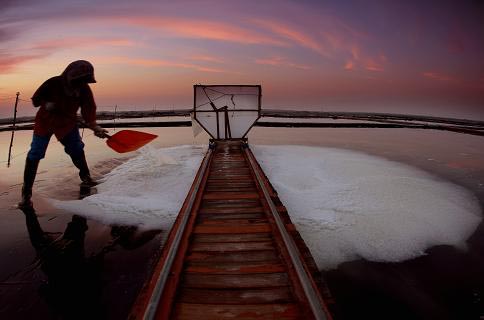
x,y
67,99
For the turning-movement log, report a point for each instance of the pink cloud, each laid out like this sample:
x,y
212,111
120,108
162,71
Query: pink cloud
x,y
373,65
206,58
9,62
82,41
349,65
437,76
366,63
280,61
355,52
292,34
204,29
335,42
158,63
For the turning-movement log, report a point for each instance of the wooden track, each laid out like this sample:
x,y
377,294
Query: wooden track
x,y
225,257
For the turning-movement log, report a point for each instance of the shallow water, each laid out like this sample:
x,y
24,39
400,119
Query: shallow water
x,y
445,283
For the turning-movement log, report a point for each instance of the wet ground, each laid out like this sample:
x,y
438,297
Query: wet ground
x,y
56,265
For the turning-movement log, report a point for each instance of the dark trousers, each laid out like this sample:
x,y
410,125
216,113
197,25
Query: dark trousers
x,y
72,143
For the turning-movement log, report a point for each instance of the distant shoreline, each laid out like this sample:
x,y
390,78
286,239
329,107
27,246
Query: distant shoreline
x,y
361,120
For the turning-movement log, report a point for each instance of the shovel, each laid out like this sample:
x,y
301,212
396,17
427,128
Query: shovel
x,y
129,140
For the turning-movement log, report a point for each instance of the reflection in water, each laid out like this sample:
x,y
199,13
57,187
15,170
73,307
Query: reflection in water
x,y
74,286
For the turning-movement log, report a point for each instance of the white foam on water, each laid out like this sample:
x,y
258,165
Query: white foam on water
x,y
349,204
345,204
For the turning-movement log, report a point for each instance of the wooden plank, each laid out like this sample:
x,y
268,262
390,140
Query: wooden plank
x,y
225,189
258,209
236,268
221,178
231,202
230,296
231,167
231,222
222,175
192,311
231,163
232,195
232,246
235,158
226,170
258,280
228,216
238,237
232,188
229,186
219,257
233,184
233,229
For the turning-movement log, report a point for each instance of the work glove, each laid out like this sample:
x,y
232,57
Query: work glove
x,y
50,106
100,132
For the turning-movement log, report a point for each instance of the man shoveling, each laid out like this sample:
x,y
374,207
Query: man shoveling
x,y
59,99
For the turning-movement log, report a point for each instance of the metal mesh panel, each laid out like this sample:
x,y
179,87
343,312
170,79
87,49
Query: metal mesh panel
x,y
227,111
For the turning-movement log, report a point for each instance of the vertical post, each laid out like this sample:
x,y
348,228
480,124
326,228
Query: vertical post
x,y
114,118
218,123
227,122
13,129
228,133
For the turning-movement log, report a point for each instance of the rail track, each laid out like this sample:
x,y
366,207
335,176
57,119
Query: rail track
x,y
233,252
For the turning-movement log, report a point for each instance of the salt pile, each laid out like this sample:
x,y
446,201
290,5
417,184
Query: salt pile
x,y
345,204
348,204
146,191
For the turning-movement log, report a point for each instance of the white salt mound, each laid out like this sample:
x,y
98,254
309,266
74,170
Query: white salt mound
x,y
348,204
147,190
345,204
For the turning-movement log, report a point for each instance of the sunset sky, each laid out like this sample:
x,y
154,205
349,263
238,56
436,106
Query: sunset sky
x,y
415,57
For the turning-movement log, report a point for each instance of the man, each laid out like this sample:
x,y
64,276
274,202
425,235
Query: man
x,y
59,98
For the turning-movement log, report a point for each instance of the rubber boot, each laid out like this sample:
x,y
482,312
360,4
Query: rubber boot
x,y
30,172
81,164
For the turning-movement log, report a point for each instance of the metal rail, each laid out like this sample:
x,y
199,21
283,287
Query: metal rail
x,y
315,303
170,257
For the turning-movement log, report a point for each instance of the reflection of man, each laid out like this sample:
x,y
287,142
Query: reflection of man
x,y
74,286
59,98
75,283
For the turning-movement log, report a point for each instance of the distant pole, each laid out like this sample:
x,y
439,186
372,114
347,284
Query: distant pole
x,y
114,119
13,129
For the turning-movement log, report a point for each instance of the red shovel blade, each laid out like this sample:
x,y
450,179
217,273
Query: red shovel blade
x,y
129,140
